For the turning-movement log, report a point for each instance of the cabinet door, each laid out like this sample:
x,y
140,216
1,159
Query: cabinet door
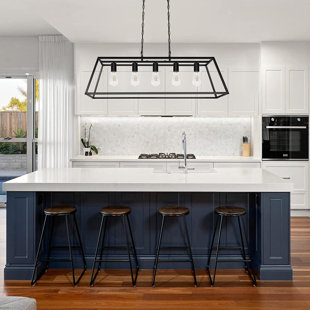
x,y
243,92
273,90
180,106
123,107
212,107
157,166
297,90
151,106
236,165
297,173
95,164
84,104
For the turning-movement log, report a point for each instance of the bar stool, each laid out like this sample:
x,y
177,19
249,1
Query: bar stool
x,y
109,212
173,211
66,212
232,212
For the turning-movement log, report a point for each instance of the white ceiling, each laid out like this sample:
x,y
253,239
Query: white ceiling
x,y
192,20
17,18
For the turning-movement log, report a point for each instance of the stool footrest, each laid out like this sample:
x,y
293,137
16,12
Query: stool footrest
x,y
112,260
234,260
228,248
175,260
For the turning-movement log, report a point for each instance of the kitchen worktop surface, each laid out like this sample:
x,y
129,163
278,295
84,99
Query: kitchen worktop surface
x,y
135,158
147,180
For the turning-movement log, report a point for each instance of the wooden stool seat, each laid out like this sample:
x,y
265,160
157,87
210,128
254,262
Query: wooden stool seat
x,y
173,211
61,210
115,210
230,211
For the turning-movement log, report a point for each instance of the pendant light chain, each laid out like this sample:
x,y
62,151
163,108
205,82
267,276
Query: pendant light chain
x,y
169,32
142,28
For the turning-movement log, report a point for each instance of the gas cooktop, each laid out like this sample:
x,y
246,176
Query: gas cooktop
x,y
166,156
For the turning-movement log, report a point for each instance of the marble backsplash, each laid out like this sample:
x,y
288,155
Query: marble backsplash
x,y
132,136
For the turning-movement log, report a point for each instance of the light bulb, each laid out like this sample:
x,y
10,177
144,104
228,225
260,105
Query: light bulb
x,y
176,81
134,81
155,79
196,79
113,79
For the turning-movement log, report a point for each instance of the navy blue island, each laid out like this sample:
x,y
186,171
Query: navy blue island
x,y
265,197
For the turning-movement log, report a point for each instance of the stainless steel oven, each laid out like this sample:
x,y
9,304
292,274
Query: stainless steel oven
x,y
285,137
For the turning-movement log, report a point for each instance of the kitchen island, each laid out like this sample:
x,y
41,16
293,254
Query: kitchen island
x,y
265,197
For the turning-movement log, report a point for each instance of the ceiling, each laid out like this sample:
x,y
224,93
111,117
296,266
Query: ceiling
x,y
17,18
192,21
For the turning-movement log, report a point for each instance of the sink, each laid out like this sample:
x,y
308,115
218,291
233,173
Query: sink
x,y
189,171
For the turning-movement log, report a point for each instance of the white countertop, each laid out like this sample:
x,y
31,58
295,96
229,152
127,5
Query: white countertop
x,y
225,159
146,180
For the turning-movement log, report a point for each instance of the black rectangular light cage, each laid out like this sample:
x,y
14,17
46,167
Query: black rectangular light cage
x,y
212,83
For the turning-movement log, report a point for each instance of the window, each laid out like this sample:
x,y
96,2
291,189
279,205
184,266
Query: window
x,y
18,127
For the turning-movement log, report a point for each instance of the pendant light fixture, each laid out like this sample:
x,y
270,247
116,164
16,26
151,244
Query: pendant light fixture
x,y
207,80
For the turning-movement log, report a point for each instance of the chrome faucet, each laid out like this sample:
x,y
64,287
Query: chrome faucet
x,y
185,154
184,149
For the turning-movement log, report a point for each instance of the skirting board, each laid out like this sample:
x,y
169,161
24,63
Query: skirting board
x,y
298,213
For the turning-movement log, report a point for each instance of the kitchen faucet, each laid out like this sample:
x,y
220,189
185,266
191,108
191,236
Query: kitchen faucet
x,y
184,144
184,150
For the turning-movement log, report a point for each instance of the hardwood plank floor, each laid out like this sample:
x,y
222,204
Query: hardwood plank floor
x,y
175,288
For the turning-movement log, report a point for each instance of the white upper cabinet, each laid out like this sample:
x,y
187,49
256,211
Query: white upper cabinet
x,y
243,92
273,89
212,107
181,106
285,90
297,90
123,107
85,104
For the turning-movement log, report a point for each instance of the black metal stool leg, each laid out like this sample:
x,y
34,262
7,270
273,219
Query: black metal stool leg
x,y
128,250
35,279
105,223
133,247
217,250
70,249
242,243
251,275
211,248
80,240
50,243
92,277
190,251
158,250
81,248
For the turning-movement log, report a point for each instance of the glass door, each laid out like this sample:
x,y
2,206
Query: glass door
x,y
18,119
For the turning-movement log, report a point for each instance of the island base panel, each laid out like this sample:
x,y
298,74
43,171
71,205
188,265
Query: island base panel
x,y
267,223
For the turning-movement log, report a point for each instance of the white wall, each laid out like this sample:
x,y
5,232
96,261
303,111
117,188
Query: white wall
x,y
19,55
284,53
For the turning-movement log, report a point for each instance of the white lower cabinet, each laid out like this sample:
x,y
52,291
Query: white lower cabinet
x,y
174,166
297,173
157,166
95,164
237,165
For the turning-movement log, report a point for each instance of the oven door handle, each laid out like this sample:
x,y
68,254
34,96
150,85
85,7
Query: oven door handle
x,y
286,127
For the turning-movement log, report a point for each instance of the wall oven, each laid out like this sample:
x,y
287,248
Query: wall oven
x,y
285,137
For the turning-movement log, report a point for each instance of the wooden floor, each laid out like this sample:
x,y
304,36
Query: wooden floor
x,y
175,288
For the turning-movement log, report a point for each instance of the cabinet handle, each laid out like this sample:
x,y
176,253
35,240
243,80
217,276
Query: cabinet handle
x,y
286,178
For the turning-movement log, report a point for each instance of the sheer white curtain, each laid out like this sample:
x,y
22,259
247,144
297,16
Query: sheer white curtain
x,y
56,102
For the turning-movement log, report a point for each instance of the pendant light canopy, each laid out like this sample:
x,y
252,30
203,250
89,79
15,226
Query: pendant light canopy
x,y
149,77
